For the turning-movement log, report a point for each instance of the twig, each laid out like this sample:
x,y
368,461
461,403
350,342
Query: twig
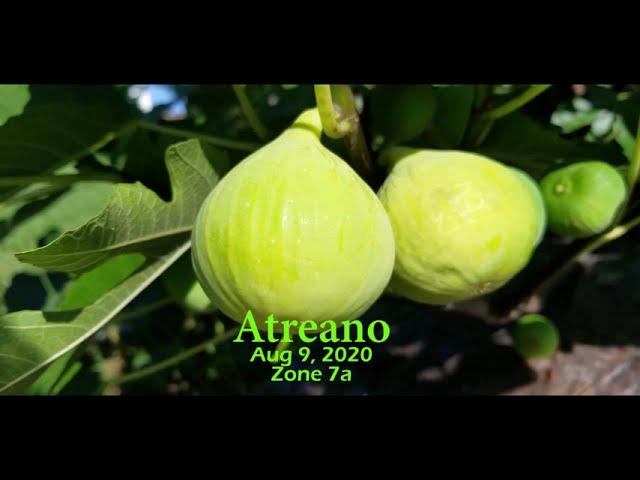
x,y
599,241
514,104
213,140
174,360
252,116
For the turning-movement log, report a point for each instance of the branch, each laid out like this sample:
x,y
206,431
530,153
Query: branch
x,y
175,360
634,164
609,236
514,104
213,140
261,131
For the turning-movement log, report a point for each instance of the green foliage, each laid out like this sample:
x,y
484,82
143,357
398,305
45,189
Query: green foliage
x,y
52,133
89,287
181,283
452,116
402,112
53,379
27,224
525,143
31,340
13,99
98,202
121,228
161,234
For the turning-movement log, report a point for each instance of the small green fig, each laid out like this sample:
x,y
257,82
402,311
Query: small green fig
x,y
535,336
181,284
402,112
536,194
464,224
293,231
583,199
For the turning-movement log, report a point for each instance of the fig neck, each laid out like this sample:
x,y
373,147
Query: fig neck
x,y
308,124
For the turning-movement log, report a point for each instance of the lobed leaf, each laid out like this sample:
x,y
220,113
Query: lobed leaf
x,y
136,218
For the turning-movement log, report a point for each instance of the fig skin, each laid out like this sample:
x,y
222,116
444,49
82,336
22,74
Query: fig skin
x,y
535,336
293,231
402,112
536,194
181,284
464,224
583,199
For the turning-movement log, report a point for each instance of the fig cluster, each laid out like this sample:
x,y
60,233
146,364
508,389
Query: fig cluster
x,y
294,232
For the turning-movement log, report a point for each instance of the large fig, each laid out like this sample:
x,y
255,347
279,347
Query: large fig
x,y
464,224
536,194
293,231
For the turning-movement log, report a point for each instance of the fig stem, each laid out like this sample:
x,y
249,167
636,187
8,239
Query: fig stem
x,y
634,164
609,236
334,122
174,360
482,94
340,119
484,127
211,139
252,116
515,103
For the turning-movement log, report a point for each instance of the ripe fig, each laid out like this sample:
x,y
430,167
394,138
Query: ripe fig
x,y
402,112
181,284
464,224
293,231
583,199
535,336
536,194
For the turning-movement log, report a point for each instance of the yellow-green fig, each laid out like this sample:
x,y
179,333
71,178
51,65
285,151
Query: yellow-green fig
x,y
583,199
536,194
402,112
535,336
293,231
464,224
181,284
